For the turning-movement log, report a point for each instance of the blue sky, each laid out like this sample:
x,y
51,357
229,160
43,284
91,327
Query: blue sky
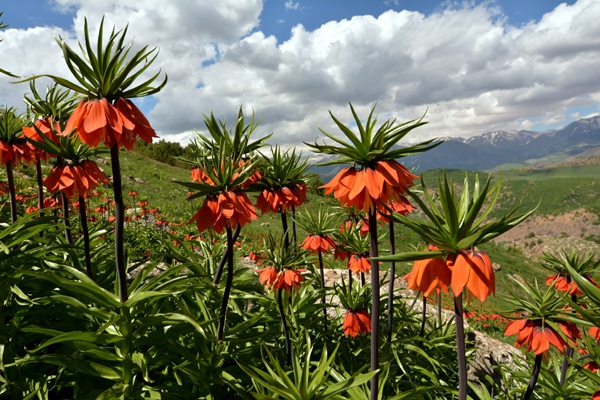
x,y
477,65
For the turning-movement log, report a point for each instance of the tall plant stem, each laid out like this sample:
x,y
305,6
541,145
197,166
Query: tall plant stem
x,y
324,298
40,183
11,192
391,284
86,238
424,315
120,266
537,365
284,224
126,332
228,284
349,276
288,343
219,271
375,303
460,348
294,226
439,308
568,353
65,211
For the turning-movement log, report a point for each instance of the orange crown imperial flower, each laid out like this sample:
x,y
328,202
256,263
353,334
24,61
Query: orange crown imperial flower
x,y
75,180
538,337
369,188
429,274
318,243
289,279
359,263
228,208
356,322
473,269
98,121
268,276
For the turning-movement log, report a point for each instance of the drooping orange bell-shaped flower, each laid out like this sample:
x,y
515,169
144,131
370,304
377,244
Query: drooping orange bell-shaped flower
x,y
473,269
356,322
430,274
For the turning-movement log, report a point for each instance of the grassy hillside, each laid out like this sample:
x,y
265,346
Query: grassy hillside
x,y
159,189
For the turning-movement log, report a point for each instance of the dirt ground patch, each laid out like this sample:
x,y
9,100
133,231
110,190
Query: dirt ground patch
x,y
549,233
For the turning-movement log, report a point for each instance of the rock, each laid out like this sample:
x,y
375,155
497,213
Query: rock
x,y
264,224
102,161
489,354
138,180
496,267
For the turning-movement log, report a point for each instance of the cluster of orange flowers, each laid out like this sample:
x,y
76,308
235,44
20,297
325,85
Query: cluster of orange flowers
x,y
470,269
317,243
75,180
281,199
356,322
538,337
16,153
99,121
228,208
369,187
287,279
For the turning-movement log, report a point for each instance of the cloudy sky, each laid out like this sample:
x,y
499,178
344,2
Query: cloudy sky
x,y
477,66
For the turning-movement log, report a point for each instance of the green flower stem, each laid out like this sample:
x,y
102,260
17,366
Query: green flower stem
x,y
121,269
391,284
294,226
86,237
40,183
284,224
228,284
424,315
65,211
460,348
219,271
11,192
288,342
126,331
568,353
439,308
324,298
537,366
374,252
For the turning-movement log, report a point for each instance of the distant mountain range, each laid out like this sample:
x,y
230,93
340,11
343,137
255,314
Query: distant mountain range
x,y
494,149
502,149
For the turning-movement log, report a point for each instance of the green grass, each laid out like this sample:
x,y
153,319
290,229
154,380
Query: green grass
x,y
551,173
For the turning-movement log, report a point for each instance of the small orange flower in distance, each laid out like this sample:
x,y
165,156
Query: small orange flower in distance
x,y
356,322
289,279
595,332
473,269
98,121
133,193
75,180
539,338
359,263
317,243
268,276
429,274
369,188
224,209
596,395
